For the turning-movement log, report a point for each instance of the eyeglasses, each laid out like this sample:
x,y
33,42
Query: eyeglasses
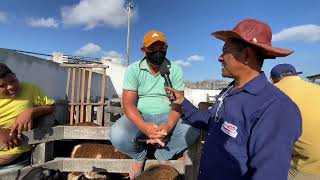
x,y
217,115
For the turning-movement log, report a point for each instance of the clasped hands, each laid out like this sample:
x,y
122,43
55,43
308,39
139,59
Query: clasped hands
x,y
156,133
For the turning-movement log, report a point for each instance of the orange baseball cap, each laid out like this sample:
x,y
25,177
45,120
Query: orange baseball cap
x,y
153,36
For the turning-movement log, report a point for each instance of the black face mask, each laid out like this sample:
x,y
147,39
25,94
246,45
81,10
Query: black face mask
x,y
156,58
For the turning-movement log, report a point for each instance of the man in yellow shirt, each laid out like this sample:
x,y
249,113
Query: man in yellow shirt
x,y
305,163
20,103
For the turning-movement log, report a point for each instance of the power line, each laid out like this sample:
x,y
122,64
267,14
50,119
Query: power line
x,y
28,52
70,58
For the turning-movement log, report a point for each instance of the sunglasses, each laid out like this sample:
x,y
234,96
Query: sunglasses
x,y
220,100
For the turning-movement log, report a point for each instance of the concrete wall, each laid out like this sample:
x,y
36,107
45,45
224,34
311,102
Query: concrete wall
x,y
47,74
116,73
195,96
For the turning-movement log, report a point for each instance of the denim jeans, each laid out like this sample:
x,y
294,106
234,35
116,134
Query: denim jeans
x,y
19,163
124,135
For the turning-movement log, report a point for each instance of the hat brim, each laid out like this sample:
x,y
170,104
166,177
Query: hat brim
x,y
268,51
150,43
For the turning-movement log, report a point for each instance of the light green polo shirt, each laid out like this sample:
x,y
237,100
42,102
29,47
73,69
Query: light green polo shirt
x,y
152,98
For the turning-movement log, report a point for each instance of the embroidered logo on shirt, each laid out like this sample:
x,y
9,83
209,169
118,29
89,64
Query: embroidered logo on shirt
x,y
229,129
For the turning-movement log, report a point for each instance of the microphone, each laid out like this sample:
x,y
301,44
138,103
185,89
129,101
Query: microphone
x,y
164,71
167,80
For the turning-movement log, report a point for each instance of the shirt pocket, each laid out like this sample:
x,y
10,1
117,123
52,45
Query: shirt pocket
x,y
233,137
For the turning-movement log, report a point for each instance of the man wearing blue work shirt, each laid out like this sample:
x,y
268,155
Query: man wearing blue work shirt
x,y
252,126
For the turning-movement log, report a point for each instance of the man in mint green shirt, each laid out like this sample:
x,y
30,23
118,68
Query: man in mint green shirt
x,y
148,111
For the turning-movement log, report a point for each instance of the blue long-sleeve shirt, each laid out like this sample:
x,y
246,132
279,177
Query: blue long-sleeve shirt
x,y
250,136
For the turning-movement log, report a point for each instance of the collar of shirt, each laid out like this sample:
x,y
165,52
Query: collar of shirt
x,y
143,64
253,87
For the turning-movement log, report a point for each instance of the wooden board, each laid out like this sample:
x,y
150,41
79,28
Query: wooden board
x,y
88,165
78,96
72,96
89,107
41,135
83,82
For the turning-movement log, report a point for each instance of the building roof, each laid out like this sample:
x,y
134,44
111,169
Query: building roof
x,y
316,76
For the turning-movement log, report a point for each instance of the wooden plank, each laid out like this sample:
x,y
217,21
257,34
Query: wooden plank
x,y
68,82
72,96
103,92
108,118
83,82
93,104
86,132
41,135
100,112
192,160
113,109
89,107
110,165
107,115
88,165
78,96
85,65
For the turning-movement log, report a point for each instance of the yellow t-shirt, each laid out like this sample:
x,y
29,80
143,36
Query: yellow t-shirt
x,y
306,151
30,96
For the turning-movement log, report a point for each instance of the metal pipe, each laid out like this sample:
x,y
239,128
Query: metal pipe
x,y
130,7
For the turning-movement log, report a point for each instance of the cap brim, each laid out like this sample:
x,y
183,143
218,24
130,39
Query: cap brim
x,y
268,51
151,42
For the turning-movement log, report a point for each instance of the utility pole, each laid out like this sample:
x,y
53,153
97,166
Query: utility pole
x,y
130,7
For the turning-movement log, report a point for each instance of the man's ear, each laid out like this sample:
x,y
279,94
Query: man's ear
x,y
244,56
248,53
143,51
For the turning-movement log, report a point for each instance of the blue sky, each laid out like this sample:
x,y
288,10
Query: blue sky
x,y
99,28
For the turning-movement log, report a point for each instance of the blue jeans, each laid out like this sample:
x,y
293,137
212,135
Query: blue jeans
x,y
19,163
124,135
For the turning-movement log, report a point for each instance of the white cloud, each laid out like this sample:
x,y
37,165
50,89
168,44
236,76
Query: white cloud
x,y
195,58
183,63
115,56
91,13
92,49
43,22
3,17
89,50
307,33
187,62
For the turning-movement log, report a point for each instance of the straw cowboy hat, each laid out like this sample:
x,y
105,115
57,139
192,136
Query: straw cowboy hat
x,y
256,33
